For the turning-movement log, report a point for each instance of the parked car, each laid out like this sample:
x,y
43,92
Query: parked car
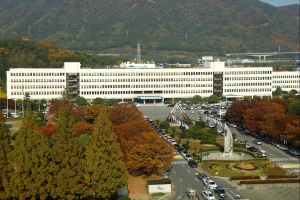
x,y
193,163
295,152
257,142
262,153
183,152
202,176
283,147
171,105
172,142
188,157
208,195
210,184
220,192
246,145
252,149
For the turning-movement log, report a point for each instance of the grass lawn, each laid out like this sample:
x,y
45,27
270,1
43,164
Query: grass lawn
x,y
226,172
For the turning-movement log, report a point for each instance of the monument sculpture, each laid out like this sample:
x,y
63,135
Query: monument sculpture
x,y
228,142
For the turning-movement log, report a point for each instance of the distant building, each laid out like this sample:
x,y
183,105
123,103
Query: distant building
x,y
146,83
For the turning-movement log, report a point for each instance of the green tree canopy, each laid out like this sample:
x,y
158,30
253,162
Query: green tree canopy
x,y
103,164
294,91
67,153
294,108
98,101
278,91
30,175
81,101
164,125
213,99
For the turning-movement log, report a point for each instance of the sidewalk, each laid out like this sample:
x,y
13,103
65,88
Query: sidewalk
x,y
217,156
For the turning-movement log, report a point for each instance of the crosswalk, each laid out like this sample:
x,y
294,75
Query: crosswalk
x,y
178,156
283,159
178,162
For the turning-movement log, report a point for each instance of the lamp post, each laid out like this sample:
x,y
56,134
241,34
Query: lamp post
x,y
44,112
220,107
94,189
200,155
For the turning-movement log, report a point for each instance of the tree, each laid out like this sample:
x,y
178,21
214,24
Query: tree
x,y
107,173
93,111
164,125
197,99
81,101
294,91
66,154
84,128
238,108
294,108
5,149
98,101
278,91
213,99
123,113
30,175
200,123
48,130
151,154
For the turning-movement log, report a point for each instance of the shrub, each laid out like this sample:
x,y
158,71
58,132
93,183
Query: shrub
x,y
269,165
283,176
215,167
271,181
244,177
124,198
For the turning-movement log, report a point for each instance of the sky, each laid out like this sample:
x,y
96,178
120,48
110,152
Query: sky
x,y
281,2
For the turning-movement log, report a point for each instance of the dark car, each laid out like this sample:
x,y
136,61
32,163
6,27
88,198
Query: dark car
x,y
171,105
220,192
176,146
253,149
202,176
193,163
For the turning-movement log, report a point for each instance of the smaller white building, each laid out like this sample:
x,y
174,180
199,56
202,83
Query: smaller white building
x,y
161,185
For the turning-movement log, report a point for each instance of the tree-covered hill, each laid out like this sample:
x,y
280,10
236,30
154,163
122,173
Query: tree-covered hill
x,y
218,26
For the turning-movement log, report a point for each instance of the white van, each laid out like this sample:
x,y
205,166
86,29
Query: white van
x,y
15,115
262,153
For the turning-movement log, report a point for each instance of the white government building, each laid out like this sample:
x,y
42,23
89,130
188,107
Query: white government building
x,y
146,83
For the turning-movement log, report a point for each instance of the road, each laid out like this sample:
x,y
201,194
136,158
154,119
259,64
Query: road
x,y
184,178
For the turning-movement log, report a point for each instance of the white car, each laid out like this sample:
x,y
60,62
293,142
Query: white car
x,y
283,148
188,157
172,141
210,184
208,195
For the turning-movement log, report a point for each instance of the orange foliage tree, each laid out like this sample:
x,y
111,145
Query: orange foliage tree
x,y
123,113
150,154
292,132
92,111
47,130
84,127
261,117
237,109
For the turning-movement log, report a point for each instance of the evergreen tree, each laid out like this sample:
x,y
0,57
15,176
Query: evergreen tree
x,y
5,149
104,170
66,155
29,176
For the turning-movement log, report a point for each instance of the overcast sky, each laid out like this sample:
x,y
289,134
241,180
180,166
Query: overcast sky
x,y
281,2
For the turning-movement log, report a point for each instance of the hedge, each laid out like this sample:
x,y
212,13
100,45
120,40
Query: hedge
x,y
235,161
282,176
244,177
270,181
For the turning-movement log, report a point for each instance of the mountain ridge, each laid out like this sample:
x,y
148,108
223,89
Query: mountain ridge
x,y
219,26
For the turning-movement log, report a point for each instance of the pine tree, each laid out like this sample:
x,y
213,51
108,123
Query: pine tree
x,y
104,170
66,153
5,149
29,176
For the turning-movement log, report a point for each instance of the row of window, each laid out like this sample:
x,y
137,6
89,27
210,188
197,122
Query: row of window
x,y
37,86
146,80
247,72
287,86
37,80
154,73
249,90
37,92
247,78
38,74
146,86
248,84
286,76
146,92
287,81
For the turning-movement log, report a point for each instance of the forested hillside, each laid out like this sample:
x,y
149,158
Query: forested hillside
x,y
205,26
16,53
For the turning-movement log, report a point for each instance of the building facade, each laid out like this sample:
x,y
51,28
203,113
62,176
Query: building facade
x,y
148,84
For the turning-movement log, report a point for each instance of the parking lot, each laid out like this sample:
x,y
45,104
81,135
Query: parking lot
x,y
259,192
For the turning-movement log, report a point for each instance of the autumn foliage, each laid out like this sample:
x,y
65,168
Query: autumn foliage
x,y
84,127
47,130
267,117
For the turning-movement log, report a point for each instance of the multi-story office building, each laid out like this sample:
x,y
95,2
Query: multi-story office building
x,y
146,83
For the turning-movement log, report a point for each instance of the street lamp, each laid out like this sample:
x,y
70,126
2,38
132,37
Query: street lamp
x,y
220,107
94,189
45,104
